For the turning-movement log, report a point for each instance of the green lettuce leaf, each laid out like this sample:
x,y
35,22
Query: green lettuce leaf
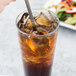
x,y
62,15
71,20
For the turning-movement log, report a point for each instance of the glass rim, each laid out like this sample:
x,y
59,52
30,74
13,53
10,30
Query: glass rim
x,y
48,34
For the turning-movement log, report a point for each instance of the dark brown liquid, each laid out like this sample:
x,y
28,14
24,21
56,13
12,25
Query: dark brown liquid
x,y
37,70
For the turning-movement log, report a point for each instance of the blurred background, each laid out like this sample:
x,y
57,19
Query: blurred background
x,y
10,54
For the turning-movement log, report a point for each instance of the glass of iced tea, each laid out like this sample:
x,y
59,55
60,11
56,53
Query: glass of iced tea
x,y
38,41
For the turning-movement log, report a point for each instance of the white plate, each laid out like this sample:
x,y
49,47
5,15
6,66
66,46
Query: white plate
x,y
67,26
51,2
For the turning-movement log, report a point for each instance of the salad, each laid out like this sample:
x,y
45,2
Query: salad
x,y
66,11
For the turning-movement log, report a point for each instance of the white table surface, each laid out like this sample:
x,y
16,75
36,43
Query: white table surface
x,y
10,55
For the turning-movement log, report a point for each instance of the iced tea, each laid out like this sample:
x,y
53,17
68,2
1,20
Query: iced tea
x,y
38,42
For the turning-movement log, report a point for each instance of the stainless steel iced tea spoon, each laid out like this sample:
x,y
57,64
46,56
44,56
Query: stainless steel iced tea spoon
x,y
29,11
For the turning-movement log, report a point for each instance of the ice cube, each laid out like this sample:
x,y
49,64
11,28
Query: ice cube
x,y
29,23
31,44
24,16
41,45
42,19
51,17
48,29
41,30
